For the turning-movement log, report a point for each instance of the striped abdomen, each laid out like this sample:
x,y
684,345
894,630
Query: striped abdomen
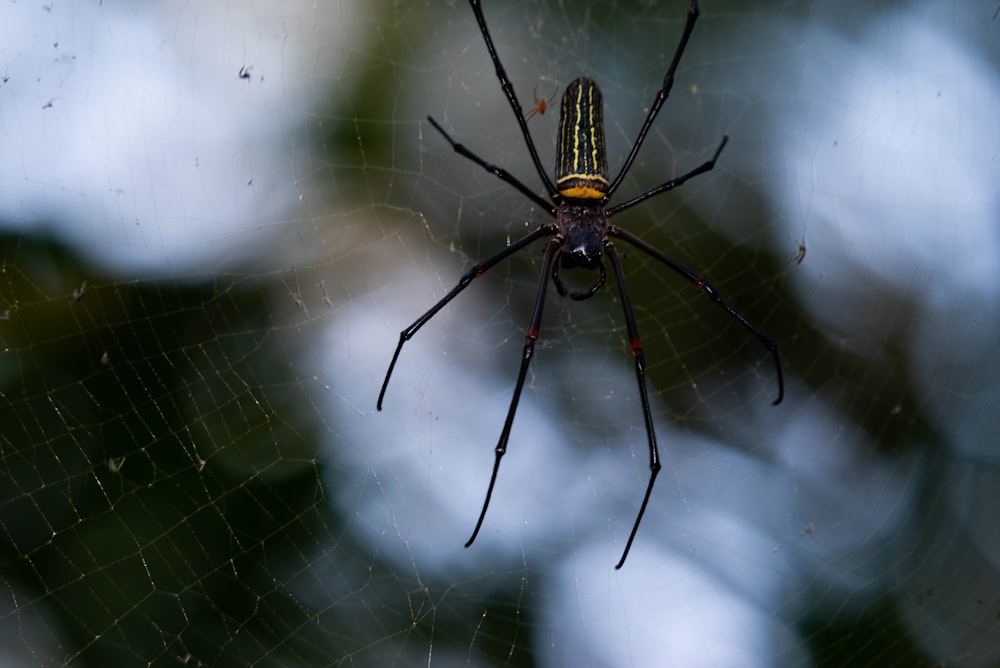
x,y
581,159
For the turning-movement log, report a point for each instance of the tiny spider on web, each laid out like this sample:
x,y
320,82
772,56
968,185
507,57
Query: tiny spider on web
x,y
540,105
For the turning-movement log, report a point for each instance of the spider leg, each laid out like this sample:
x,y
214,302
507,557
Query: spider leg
x,y
560,288
661,97
530,336
475,272
592,290
703,285
500,172
640,374
508,89
706,166
579,296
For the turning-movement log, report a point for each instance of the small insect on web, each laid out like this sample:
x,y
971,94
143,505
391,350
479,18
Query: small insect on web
x,y
580,236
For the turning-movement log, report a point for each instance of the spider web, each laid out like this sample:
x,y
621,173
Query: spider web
x,y
215,219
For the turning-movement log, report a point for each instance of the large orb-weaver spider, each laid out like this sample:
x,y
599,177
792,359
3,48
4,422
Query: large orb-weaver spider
x,y
581,234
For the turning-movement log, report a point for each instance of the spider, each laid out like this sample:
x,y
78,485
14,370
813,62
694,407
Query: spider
x,y
580,236
800,253
541,104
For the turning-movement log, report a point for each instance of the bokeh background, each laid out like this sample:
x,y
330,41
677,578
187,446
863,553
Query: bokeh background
x,y
215,218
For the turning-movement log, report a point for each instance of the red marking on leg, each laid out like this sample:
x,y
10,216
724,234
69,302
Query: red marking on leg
x,y
636,346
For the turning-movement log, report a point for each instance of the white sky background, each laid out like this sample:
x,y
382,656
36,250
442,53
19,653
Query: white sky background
x,y
127,133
